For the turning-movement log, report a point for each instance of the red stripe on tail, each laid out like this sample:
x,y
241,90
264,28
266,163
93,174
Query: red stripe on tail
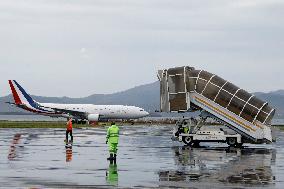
x,y
15,94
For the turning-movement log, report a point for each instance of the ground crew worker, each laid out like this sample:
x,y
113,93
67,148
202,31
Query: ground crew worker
x,y
112,141
69,130
185,129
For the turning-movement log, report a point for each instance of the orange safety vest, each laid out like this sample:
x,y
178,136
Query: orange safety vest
x,y
69,126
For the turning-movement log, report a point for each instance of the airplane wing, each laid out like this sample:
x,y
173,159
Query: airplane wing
x,y
74,113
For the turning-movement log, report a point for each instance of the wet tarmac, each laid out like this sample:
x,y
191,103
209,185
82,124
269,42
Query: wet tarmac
x,y
147,157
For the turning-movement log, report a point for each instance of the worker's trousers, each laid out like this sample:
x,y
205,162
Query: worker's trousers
x,y
71,135
112,148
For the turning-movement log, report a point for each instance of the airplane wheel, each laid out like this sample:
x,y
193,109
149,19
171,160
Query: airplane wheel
x,y
187,140
232,141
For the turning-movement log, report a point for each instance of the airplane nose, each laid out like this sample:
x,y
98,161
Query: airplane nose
x,y
146,113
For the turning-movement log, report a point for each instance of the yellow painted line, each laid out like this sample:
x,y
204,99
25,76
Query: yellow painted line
x,y
225,114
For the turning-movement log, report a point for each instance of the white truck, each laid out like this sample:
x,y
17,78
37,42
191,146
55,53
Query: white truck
x,y
183,132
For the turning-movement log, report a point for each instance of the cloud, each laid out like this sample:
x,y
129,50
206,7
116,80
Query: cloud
x,y
83,50
84,53
111,45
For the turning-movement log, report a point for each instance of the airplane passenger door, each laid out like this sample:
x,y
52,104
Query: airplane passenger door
x,y
173,92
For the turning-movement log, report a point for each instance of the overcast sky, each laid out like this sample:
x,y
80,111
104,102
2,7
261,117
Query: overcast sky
x,y
80,47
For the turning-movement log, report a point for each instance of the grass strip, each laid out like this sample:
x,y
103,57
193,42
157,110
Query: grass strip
x,y
40,124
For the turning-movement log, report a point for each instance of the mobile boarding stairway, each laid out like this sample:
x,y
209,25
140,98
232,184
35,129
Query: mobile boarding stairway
x,y
185,89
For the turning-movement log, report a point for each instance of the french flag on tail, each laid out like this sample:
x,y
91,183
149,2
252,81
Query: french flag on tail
x,y
23,100
15,93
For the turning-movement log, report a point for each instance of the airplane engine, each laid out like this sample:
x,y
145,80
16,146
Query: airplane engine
x,y
93,117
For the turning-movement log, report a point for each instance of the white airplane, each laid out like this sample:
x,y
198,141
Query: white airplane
x,y
78,112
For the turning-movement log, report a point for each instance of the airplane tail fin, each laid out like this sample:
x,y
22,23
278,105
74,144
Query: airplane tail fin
x,y
19,94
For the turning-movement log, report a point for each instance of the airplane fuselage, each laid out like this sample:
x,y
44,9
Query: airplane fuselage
x,y
104,111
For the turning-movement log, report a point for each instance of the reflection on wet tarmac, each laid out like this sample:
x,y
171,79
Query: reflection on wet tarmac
x,y
112,174
12,152
69,154
147,158
248,166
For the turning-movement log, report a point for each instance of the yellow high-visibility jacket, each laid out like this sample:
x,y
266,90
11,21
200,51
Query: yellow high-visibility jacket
x,y
113,134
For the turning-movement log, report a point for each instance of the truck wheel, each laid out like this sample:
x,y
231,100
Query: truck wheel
x,y
187,140
232,141
196,144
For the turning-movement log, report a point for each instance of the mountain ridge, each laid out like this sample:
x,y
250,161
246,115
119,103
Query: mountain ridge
x,y
145,96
